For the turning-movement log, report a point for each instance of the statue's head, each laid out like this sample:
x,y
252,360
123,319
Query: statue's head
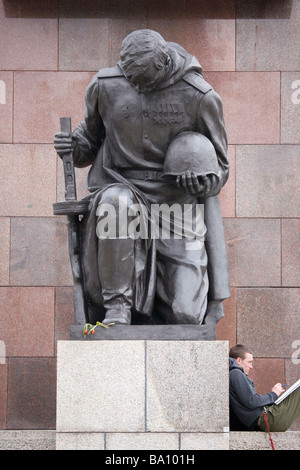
x,y
144,59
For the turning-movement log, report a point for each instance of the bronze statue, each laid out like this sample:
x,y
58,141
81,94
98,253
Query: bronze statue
x,y
153,104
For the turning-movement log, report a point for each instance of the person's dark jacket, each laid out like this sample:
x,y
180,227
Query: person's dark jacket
x,y
244,403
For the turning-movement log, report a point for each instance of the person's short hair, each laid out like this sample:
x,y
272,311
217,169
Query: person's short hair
x,y
144,45
239,350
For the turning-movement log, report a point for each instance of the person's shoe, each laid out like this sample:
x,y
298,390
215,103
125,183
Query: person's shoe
x,y
117,316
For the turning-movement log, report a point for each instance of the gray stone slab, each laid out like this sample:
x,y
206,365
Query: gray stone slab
x,y
29,250
136,386
147,332
187,385
268,319
100,386
267,181
268,41
27,440
289,440
80,441
45,440
142,441
291,252
254,251
290,107
205,441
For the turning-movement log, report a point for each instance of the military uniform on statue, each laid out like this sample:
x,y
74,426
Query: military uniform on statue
x,y
134,111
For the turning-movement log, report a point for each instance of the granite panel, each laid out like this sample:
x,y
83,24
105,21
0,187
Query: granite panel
x,y
267,181
27,320
205,441
64,312
263,9
227,195
80,441
39,252
267,35
144,441
29,184
4,250
214,9
3,392
254,251
268,320
110,375
182,388
28,43
100,29
291,252
226,327
27,440
31,9
205,30
251,103
266,373
92,35
101,37
159,385
257,441
102,9
31,393
41,98
290,107
6,106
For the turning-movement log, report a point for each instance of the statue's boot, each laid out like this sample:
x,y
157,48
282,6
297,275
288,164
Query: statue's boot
x,y
116,268
116,254
118,316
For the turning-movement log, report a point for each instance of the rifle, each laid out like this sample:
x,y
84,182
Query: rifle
x,y
73,209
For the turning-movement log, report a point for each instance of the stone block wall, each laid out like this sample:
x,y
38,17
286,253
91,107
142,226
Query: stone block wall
x,y
49,52
144,394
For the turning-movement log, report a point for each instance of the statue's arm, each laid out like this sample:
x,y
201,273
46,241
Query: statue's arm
x,y
211,124
88,137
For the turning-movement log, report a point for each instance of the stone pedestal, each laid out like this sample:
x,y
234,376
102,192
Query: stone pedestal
x,y
142,394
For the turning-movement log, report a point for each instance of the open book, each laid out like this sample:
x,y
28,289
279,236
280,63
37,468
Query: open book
x,y
287,392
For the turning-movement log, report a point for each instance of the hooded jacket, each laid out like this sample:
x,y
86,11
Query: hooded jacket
x,y
245,404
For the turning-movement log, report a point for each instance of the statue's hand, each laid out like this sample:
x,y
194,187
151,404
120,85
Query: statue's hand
x,y
63,143
192,183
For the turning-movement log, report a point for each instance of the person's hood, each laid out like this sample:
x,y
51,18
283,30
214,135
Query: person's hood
x,y
234,365
181,63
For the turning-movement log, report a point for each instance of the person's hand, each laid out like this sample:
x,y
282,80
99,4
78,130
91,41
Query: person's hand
x,y
278,389
63,143
192,183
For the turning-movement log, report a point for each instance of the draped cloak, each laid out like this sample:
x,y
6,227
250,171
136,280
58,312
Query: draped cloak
x,y
124,130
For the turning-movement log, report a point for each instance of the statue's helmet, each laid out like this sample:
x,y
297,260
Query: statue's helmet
x,y
190,151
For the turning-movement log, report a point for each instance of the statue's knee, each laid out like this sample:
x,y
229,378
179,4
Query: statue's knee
x,y
112,212
117,196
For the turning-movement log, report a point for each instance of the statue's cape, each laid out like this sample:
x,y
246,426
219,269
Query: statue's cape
x,y
181,64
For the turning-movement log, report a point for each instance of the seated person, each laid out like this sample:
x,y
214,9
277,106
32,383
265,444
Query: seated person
x,y
247,407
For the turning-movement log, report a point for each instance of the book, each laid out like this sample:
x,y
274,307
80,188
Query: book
x,y
287,392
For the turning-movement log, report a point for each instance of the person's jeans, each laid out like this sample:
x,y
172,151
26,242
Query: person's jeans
x,y
282,416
